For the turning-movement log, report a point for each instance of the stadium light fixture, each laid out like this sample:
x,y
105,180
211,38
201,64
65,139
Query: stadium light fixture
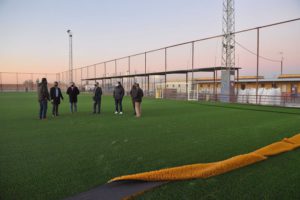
x,y
70,56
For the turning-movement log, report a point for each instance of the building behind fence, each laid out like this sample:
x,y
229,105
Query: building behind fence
x,y
254,89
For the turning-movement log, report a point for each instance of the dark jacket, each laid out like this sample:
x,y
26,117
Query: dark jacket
x,y
118,92
56,100
138,95
43,93
73,94
133,92
97,94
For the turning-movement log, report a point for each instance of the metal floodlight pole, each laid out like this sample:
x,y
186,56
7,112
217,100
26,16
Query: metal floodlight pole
x,y
70,56
228,43
228,49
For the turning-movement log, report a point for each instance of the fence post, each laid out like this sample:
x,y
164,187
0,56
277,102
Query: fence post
x,y
1,81
105,85
186,84
17,81
165,68
146,72
116,67
74,76
87,75
31,76
95,72
81,77
257,65
193,52
129,79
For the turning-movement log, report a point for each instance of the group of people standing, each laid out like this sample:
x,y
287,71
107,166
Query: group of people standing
x,y
55,96
136,94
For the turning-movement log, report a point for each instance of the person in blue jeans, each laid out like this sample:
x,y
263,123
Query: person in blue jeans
x,y
43,98
118,96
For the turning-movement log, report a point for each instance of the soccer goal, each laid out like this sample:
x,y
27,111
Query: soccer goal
x,y
159,93
193,92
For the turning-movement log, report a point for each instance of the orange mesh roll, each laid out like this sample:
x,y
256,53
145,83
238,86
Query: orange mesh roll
x,y
206,170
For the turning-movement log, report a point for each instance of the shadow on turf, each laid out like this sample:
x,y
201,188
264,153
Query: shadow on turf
x,y
117,190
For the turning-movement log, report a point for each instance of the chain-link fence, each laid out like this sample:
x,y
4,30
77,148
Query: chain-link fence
x,y
23,82
265,55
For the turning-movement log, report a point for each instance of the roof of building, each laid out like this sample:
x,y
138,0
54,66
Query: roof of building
x,y
259,80
240,78
207,69
289,76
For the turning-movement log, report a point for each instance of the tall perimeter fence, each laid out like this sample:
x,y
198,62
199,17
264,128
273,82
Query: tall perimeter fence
x,y
264,55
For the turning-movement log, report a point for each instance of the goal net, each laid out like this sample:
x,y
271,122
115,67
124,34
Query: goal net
x,y
193,92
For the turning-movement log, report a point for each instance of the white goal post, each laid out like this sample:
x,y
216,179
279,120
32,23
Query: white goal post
x,y
193,92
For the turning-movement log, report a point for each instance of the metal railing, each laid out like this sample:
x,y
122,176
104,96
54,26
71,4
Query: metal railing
x,y
164,58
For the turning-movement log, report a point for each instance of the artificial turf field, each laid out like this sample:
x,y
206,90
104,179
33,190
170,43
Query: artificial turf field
x,y
59,157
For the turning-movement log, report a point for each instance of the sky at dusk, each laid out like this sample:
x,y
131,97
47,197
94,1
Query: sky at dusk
x,y
33,34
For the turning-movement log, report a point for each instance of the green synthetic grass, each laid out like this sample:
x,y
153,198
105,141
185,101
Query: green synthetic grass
x,y
60,157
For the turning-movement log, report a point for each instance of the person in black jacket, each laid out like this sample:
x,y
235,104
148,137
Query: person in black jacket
x,y
73,92
97,98
137,97
43,97
133,92
118,96
55,95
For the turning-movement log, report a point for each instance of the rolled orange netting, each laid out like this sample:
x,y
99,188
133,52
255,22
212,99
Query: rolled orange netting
x,y
205,170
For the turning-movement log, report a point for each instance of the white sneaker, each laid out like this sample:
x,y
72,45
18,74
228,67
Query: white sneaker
x,y
116,112
121,113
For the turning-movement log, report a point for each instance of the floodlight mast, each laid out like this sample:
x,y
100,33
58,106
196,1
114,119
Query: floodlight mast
x,y
228,51
70,56
228,43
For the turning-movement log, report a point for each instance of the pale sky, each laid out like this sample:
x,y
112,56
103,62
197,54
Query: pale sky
x,y
33,34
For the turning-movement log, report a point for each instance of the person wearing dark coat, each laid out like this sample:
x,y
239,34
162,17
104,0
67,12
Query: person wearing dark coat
x,y
55,95
73,92
43,98
133,92
97,98
137,97
118,96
